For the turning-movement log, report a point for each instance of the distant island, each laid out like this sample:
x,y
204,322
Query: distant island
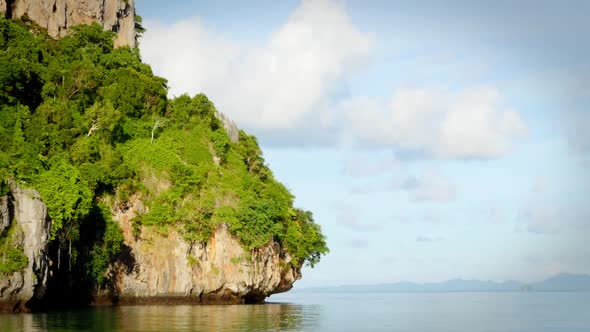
x,y
564,282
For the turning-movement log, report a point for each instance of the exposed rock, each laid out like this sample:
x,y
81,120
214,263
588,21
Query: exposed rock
x,y
30,217
166,268
57,16
230,127
5,216
154,267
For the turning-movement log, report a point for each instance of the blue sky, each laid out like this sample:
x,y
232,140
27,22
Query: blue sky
x,y
430,141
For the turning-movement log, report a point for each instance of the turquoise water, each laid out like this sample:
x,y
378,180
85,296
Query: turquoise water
x,y
452,312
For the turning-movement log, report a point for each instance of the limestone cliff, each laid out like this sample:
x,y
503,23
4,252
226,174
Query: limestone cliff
x,y
168,268
230,127
24,208
155,268
185,182
57,16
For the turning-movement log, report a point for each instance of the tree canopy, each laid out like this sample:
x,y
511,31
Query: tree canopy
x,y
86,124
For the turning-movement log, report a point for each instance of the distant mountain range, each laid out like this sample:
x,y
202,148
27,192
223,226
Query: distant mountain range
x,y
560,283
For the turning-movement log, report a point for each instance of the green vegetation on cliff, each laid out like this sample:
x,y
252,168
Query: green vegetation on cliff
x,y
12,258
90,127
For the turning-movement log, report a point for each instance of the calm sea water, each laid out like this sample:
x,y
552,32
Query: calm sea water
x,y
456,312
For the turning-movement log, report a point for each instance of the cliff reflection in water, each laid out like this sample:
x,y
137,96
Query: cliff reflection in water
x,y
266,317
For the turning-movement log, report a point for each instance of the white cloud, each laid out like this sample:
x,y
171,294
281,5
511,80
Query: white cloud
x,y
192,58
469,124
276,86
288,88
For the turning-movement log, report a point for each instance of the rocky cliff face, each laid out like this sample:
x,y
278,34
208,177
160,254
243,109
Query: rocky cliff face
x,y
24,208
57,16
154,268
166,268
230,127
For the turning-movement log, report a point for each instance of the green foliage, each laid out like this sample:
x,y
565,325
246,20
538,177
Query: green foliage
x,y
134,93
21,66
4,188
221,143
193,261
215,269
304,238
139,29
109,245
12,258
187,112
76,119
67,196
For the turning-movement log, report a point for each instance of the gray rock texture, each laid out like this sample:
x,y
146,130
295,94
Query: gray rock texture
x,y
5,213
57,16
32,233
166,268
154,268
230,127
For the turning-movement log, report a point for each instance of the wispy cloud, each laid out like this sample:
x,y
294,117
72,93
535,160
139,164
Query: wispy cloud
x,y
551,263
578,130
432,186
358,243
545,212
495,215
428,216
429,187
429,239
349,217
366,166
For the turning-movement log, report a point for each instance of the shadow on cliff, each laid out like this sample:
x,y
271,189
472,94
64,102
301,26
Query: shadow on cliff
x,y
125,261
73,282
9,8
